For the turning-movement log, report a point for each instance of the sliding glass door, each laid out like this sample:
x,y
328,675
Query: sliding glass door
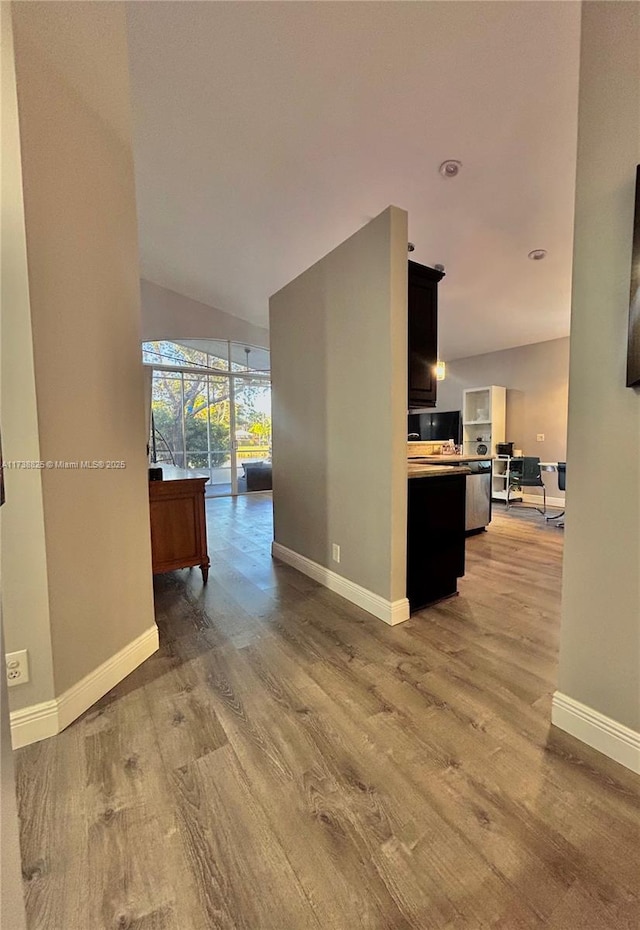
x,y
214,425
211,413
252,420
192,429
207,429
167,434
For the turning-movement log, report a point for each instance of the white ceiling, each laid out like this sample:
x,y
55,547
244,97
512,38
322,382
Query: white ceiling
x,y
266,133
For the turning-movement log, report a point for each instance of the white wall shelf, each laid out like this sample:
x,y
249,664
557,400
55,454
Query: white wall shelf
x,y
484,413
500,478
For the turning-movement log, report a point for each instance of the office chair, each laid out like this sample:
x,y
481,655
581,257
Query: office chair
x,y
525,473
562,486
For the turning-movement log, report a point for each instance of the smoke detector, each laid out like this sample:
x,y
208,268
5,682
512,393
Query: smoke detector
x,y
537,255
450,168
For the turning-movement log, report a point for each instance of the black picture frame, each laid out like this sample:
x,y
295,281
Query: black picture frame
x,y
633,344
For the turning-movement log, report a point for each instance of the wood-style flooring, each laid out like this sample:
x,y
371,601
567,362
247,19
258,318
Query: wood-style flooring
x,y
288,762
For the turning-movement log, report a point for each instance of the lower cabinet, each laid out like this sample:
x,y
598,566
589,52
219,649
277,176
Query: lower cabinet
x,y
178,525
435,538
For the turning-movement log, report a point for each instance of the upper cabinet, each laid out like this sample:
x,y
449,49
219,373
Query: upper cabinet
x,y
423,334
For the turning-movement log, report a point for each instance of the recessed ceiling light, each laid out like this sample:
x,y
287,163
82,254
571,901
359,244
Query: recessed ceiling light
x,y
450,168
411,247
439,267
537,255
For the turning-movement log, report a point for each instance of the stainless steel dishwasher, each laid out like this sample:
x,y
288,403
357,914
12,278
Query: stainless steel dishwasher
x,y
478,496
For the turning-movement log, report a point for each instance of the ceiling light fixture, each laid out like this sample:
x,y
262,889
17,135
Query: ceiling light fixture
x,y
450,168
537,255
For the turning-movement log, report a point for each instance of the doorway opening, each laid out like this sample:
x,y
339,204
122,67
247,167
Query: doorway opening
x,y
211,413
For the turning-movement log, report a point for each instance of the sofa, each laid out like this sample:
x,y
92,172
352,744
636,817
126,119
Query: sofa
x,y
258,476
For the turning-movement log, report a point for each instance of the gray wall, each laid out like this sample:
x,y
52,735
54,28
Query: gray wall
x,y
537,380
600,636
338,356
25,591
82,306
168,315
12,915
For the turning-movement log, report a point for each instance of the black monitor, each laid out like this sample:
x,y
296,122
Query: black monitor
x,y
437,426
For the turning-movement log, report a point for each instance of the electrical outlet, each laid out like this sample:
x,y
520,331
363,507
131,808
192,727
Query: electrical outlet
x,y
540,437
17,668
335,552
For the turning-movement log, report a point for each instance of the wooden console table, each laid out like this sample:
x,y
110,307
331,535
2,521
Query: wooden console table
x,y
178,526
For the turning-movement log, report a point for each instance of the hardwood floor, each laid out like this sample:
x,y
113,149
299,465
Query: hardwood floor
x,y
286,761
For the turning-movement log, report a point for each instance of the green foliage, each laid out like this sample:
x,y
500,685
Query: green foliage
x,y
202,401
261,428
169,427
196,434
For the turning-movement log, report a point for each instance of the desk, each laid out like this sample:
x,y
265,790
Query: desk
x,y
501,479
503,468
178,526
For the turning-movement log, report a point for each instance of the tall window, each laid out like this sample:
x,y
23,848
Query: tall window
x,y
211,409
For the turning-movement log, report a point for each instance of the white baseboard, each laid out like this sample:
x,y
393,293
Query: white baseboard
x,y
39,721
33,723
609,737
74,702
391,612
537,500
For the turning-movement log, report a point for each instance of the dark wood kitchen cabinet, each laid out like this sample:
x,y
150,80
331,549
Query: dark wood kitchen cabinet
x,y
435,538
423,334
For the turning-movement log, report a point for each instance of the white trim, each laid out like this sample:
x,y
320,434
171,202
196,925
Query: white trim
x,y
391,612
33,723
609,737
39,721
537,500
73,702
528,498
400,611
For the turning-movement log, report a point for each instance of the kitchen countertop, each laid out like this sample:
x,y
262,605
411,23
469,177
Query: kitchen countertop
x,y
449,459
425,470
